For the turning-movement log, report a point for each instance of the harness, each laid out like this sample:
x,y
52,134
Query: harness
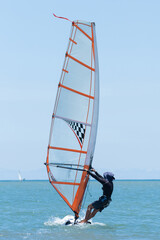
x,y
105,201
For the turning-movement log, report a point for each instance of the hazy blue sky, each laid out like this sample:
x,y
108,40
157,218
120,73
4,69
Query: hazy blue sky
x,y
32,48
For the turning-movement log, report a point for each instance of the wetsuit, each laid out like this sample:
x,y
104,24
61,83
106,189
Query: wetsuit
x,y
107,188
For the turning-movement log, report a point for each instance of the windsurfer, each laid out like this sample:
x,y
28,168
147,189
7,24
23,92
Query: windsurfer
x,y
105,199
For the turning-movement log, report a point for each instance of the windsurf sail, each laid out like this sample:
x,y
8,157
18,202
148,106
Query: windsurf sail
x,y
75,117
20,176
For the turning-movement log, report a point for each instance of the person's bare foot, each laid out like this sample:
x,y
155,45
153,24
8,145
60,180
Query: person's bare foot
x,y
83,221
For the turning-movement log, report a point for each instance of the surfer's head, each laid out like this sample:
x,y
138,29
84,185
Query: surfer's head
x,y
109,176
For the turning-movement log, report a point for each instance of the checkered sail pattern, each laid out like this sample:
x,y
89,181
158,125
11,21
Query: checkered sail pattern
x,y
79,130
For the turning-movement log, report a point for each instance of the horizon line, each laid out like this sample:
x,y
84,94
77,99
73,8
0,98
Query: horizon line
x,y
127,179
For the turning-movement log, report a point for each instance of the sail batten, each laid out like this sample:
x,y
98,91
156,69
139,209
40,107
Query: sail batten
x,y
80,62
75,91
64,70
66,183
67,149
72,40
82,31
75,117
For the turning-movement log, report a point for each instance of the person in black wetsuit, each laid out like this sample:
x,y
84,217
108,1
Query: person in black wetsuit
x,y
105,199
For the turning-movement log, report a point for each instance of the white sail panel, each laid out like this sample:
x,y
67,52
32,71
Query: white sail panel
x,y
82,84
82,49
73,106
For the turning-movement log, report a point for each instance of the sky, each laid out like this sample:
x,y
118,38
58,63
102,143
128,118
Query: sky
x,y
32,49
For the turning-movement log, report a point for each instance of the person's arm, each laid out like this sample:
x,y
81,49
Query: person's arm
x,y
97,176
93,170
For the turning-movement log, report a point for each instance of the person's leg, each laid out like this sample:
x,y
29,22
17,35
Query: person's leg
x,y
88,213
93,213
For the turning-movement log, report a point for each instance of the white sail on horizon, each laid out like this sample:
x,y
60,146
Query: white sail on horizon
x,y
20,176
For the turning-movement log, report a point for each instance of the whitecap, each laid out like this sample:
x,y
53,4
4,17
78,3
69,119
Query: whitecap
x,y
54,221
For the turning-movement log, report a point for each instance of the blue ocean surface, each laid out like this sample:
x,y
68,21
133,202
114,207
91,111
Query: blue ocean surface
x,y
33,210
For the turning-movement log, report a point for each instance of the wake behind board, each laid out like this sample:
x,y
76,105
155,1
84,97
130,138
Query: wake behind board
x,y
69,222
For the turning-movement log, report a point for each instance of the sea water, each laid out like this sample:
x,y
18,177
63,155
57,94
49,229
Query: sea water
x,y
33,210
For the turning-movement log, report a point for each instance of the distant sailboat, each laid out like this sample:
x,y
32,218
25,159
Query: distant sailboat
x,y
20,176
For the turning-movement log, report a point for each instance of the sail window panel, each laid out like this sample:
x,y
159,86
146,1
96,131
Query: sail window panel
x,y
64,173
68,191
64,136
82,50
86,27
79,77
73,105
73,140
